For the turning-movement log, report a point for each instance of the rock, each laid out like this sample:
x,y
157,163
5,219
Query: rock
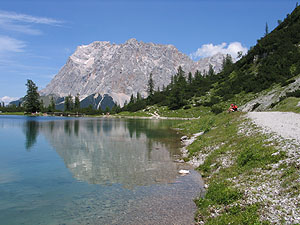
x,y
179,160
183,138
263,101
184,172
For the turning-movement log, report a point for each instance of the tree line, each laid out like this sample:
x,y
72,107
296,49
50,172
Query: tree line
x,y
32,103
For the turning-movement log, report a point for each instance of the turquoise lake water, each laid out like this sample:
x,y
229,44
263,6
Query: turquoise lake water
x,y
93,171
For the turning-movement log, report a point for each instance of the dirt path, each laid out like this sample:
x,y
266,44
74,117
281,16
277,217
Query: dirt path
x,y
278,186
285,124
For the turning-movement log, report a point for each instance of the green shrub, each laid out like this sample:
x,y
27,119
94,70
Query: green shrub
x,y
293,94
287,82
216,109
257,156
187,107
222,193
237,215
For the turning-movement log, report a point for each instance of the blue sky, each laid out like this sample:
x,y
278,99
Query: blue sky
x,y
37,36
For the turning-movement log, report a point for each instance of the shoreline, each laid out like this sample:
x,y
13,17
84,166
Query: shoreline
x,y
252,176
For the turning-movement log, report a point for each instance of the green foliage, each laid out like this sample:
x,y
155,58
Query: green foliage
x,y
69,103
287,82
77,103
257,155
289,104
290,177
51,107
135,104
150,85
12,109
237,215
295,93
217,109
274,59
266,29
222,193
31,99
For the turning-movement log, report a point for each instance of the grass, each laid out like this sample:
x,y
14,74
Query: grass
x,y
134,114
288,105
12,113
163,111
245,153
238,215
289,179
192,112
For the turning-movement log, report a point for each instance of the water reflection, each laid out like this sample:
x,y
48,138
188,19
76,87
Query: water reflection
x,y
106,151
31,129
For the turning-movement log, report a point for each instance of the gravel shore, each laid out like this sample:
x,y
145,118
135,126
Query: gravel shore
x,y
281,202
285,124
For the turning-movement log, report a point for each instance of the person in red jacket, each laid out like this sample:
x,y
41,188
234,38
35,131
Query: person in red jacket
x,y
233,108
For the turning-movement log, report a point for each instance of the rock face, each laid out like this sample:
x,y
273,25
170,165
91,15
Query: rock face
x,y
265,99
122,70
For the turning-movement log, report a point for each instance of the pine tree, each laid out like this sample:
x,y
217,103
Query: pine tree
x,y
190,78
68,103
31,102
41,105
138,97
52,104
131,99
211,71
178,89
77,103
150,85
266,29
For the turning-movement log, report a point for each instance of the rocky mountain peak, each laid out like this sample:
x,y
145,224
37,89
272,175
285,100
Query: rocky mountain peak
x,y
120,70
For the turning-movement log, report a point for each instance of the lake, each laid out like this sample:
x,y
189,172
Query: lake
x,y
57,170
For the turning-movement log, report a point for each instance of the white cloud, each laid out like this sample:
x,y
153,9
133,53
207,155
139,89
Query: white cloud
x,y
12,16
207,50
23,23
8,44
7,99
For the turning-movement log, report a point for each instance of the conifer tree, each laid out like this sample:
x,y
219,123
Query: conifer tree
x,y
77,103
150,85
190,78
68,103
266,29
211,71
52,104
31,102
138,96
131,99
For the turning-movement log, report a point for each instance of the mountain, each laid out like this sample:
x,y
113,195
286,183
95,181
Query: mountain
x,y
120,70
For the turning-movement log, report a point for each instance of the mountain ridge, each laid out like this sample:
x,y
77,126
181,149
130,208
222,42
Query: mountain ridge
x,y
121,70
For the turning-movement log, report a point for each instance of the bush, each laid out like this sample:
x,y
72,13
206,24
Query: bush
x,y
293,94
287,82
187,107
217,109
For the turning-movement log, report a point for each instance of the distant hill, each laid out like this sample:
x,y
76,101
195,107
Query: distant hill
x,y
274,59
